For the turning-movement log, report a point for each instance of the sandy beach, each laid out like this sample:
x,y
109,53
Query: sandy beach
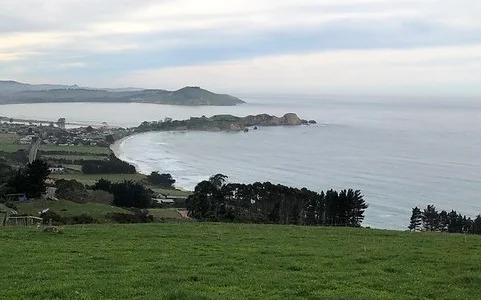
x,y
116,148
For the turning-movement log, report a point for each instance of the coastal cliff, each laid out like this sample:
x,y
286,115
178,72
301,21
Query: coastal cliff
x,y
222,123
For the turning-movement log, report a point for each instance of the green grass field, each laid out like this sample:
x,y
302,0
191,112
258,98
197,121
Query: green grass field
x,y
165,213
170,192
73,167
68,209
232,261
82,150
9,143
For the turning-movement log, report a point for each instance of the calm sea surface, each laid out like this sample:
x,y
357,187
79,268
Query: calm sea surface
x,y
400,153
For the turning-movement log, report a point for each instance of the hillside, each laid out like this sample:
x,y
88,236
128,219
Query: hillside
x,y
12,92
237,261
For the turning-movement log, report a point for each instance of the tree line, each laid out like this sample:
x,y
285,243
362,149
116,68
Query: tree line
x,y
430,219
112,166
213,200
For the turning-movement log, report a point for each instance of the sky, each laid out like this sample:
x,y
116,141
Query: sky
x,y
411,47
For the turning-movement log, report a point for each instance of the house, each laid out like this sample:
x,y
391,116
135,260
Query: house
x,y
56,170
164,201
26,140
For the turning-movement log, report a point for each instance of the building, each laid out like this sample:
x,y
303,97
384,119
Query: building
x,y
57,170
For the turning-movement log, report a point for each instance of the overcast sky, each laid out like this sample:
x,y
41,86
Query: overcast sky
x,y
312,46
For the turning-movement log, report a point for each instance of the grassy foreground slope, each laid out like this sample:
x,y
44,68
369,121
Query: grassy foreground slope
x,y
232,261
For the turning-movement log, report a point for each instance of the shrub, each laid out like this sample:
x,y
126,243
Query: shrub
x,y
83,219
136,217
56,218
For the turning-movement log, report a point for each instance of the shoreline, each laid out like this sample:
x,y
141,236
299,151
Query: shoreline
x,y
116,149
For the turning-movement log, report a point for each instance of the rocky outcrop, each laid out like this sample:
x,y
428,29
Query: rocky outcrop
x,y
224,123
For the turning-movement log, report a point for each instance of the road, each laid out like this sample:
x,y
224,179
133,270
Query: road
x,y
33,150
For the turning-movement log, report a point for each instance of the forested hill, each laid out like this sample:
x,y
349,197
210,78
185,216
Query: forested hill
x,y
12,92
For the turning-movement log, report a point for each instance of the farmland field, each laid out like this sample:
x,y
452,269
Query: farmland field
x,y
69,209
90,179
192,260
9,143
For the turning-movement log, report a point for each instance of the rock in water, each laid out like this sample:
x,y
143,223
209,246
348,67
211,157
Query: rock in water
x,y
291,119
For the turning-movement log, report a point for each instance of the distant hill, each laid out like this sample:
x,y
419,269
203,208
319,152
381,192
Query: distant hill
x,y
12,92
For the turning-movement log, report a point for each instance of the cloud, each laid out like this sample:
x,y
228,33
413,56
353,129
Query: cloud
x,y
70,38
334,71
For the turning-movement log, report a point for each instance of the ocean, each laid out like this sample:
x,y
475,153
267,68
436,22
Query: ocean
x,y
399,152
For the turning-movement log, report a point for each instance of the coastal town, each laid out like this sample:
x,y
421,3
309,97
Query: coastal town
x,y
60,135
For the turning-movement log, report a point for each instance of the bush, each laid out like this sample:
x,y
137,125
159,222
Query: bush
x,y
56,218
136,217
83,219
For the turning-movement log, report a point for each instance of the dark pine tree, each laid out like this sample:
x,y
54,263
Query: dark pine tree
x,y
477,225
416,219
358,207
455,222
310,207
443,221
321,209
31,180
430,218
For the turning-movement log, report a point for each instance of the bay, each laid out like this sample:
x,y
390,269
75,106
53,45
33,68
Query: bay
x,y
399,152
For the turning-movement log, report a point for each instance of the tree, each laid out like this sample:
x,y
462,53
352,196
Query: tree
x,y
477,225
162,180
443,222
61,122
310,208
6,171
71,190
430,218
357,208
103,185
218,180
199,204
31,180
416,219
110,139
126,193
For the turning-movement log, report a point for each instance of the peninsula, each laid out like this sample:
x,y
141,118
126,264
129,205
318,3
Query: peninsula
x,y
12,92
223,123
